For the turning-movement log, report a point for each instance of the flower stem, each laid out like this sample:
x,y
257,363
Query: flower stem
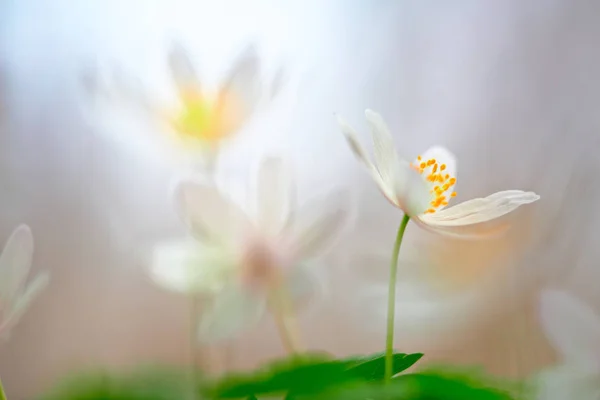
x,y
2,394
389,342
285,320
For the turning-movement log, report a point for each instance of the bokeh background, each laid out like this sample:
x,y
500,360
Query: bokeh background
x,y
510,86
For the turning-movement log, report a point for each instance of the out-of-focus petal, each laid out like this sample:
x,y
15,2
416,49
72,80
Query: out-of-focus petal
x,y
15,263
240,92
320,222
572,327
211,215
23,301
386,158
182,70
232,311
480,210
186,266
275,195
567,382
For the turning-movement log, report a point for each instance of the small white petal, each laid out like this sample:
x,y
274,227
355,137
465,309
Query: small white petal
x,y
411,191
182,69
210,214
386,158
362,156
571,326
187,266
15,263
241,90
21,304
320,223
275,195
233,311
480,210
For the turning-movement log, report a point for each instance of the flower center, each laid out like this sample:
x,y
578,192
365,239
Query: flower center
x,y
261,266
439,179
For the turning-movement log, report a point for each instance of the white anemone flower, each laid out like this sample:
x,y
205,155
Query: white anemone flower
x,y
573,329
15,294
423,188
245,258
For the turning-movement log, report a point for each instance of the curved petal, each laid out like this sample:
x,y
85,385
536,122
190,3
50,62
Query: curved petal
x,y
320,223
571,326
386,158
455,233
183,71
15,263
232,311
186,266
274,195
240,92
480,210
210,214
21,304
410,190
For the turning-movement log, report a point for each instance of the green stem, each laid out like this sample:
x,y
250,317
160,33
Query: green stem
x,y
389,342
2,394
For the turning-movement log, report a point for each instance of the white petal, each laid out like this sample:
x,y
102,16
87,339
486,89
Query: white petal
x,y
567,382
410,190
386,158
304,284
241,91
15,263
182,69
455,232
233,311
571,326
187,266
362,156
210,214
275,195
21,304
320,223
480,210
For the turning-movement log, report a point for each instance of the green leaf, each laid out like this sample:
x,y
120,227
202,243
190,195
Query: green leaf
x,y
147,383
373,367
297,374
414,387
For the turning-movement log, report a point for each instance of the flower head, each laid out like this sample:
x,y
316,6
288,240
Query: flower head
x,y
15,263
573,328
424,188
244,257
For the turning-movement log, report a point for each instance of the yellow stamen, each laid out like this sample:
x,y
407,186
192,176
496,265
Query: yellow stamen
x,y
443,182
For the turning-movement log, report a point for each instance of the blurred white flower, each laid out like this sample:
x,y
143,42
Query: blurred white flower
x,y
424,188
573,329
201,121
244,258
15,263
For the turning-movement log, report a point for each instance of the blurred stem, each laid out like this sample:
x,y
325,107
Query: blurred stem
x,y
285,319
194,322
2,394
391,314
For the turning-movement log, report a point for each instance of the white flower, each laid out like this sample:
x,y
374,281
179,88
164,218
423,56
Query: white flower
x,y
573,329
243,257
424,188
202,121
15,263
